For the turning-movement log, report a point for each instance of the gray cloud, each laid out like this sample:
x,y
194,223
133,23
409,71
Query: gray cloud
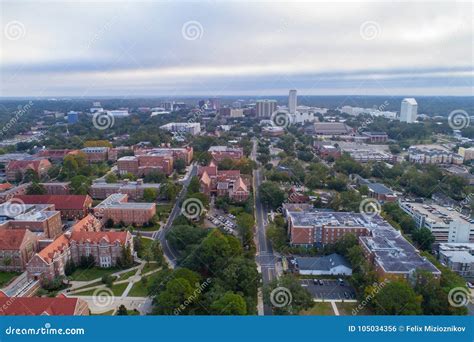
x,y
108,48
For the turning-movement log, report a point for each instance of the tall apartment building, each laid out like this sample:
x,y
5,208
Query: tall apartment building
x,y
408,110
292,101
446,224
265,108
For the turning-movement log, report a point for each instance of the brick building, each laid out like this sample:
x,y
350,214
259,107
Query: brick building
x,y
391,254
17,247
219,153
101,190
117,208
82,240
38,218
96,154
56,188
55,155
72,207
222,183
16,169
42,306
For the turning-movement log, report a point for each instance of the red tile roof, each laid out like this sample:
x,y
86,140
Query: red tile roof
x,y
74,202
11,239
57,246
88,223
36,306
23,164
95,237
5,186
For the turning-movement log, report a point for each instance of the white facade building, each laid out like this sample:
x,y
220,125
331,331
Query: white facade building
x,y
292,101
265,108
408,111
446,224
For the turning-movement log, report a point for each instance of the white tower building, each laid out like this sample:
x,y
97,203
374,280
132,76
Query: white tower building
x,y
292,101
408,111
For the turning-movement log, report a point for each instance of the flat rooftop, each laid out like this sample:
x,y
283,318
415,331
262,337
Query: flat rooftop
x,y
436,213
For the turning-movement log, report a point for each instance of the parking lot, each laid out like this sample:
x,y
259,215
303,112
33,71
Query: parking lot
x,y
224,221
330,289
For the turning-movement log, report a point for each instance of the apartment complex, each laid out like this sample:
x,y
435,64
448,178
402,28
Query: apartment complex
x,y
433,154
117,208
101,190
446,224
458,257
391,254
265,108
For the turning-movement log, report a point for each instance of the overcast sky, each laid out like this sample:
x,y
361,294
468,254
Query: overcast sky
x,y
89,48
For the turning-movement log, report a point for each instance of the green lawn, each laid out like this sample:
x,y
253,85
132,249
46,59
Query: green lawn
x,y
127,275
91,273
319,309
96,283
117,290
150,266
346,309
146,242
138,290
6,277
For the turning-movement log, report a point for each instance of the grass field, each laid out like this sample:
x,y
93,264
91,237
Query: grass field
x,y
117,290
138,290
91,273
6,277
319,309
346,309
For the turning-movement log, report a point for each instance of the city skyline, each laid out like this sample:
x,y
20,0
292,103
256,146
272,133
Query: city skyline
x,y
216,49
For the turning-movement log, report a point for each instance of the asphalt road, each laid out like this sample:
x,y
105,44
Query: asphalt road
x,y
330,290
161,234
265,257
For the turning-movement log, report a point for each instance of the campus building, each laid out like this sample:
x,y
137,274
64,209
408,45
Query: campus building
x,y
72,207
222,183
101,189
219,153
42,306
391,254
117,208
445,223
17,247
82,240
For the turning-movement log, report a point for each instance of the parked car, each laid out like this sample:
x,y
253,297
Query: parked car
x,y
315,281
341,282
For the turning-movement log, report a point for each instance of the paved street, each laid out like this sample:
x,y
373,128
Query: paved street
x,y
265,257
330,290
160,235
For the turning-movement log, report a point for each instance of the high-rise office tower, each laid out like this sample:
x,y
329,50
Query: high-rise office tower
x,y
408,111
265,108
292,101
